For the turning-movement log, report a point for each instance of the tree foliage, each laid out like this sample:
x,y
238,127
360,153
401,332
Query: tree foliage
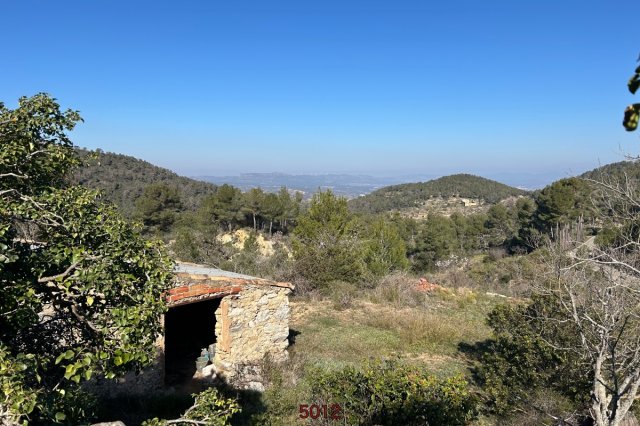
x,y
158,207
80,290
326,246
564,202
518,361
632,112
391,393
384,248
209,408
330,243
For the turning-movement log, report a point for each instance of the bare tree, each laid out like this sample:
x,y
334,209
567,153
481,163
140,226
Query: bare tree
x,y
596,288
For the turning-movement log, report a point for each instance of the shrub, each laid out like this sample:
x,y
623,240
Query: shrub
x,y
342,294
391,393
517,362
397,289
284,392
210,407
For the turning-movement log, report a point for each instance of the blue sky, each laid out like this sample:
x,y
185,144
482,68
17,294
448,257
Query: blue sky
x,y
497,88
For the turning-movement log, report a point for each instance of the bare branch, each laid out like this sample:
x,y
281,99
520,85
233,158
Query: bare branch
x,y
3,175
74,310
61,275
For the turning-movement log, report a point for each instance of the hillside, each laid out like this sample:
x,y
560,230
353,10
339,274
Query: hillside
x,y
123,179
618,171
412,195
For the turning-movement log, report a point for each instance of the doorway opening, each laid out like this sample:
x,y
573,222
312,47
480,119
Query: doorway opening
x,y
188,329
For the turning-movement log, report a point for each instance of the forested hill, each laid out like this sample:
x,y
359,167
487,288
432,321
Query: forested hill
x,y
123,178
617,171
413,194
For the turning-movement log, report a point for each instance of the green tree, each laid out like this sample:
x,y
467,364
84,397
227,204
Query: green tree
x,y
501,222
254,202
384,249
563,202
289,208
527,237
325,242
436,240
158,207
81,292
273,209
225,208
470,231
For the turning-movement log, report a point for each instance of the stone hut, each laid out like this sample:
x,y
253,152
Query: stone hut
x,y
237,318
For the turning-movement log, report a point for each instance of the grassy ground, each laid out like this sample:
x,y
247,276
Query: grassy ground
x,y
420,328
428,333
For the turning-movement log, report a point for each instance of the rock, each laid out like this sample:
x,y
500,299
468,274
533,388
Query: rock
x,y
255,386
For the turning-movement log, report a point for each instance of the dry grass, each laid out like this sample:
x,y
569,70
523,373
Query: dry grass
x,y
418,327
398,290
391,321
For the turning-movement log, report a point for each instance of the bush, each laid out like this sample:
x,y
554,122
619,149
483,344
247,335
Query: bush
x,y
516,364
342,294
210,407
391,393
285,390
397,289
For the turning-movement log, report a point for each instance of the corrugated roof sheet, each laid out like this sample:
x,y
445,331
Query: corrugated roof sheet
x,y
186,271
192,268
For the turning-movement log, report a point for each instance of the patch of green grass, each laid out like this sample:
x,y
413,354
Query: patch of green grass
x,y
430,333
330,340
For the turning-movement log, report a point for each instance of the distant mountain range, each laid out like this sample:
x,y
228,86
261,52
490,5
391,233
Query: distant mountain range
x,y
352,186
349,186
123,178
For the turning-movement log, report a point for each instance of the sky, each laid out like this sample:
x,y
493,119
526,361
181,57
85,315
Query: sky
x,y
503,89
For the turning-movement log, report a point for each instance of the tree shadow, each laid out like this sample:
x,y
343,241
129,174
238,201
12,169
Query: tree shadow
x,y
292,336
474,353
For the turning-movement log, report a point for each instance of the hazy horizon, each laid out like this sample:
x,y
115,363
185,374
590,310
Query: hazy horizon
x,y
530,181
527,180
530,91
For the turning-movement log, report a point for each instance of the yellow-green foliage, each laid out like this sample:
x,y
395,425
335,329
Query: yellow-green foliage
x,y
210,408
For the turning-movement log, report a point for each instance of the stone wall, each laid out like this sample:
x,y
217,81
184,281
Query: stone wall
x,y
250,326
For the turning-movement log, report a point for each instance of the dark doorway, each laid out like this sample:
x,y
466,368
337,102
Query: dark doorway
x,y
187,330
